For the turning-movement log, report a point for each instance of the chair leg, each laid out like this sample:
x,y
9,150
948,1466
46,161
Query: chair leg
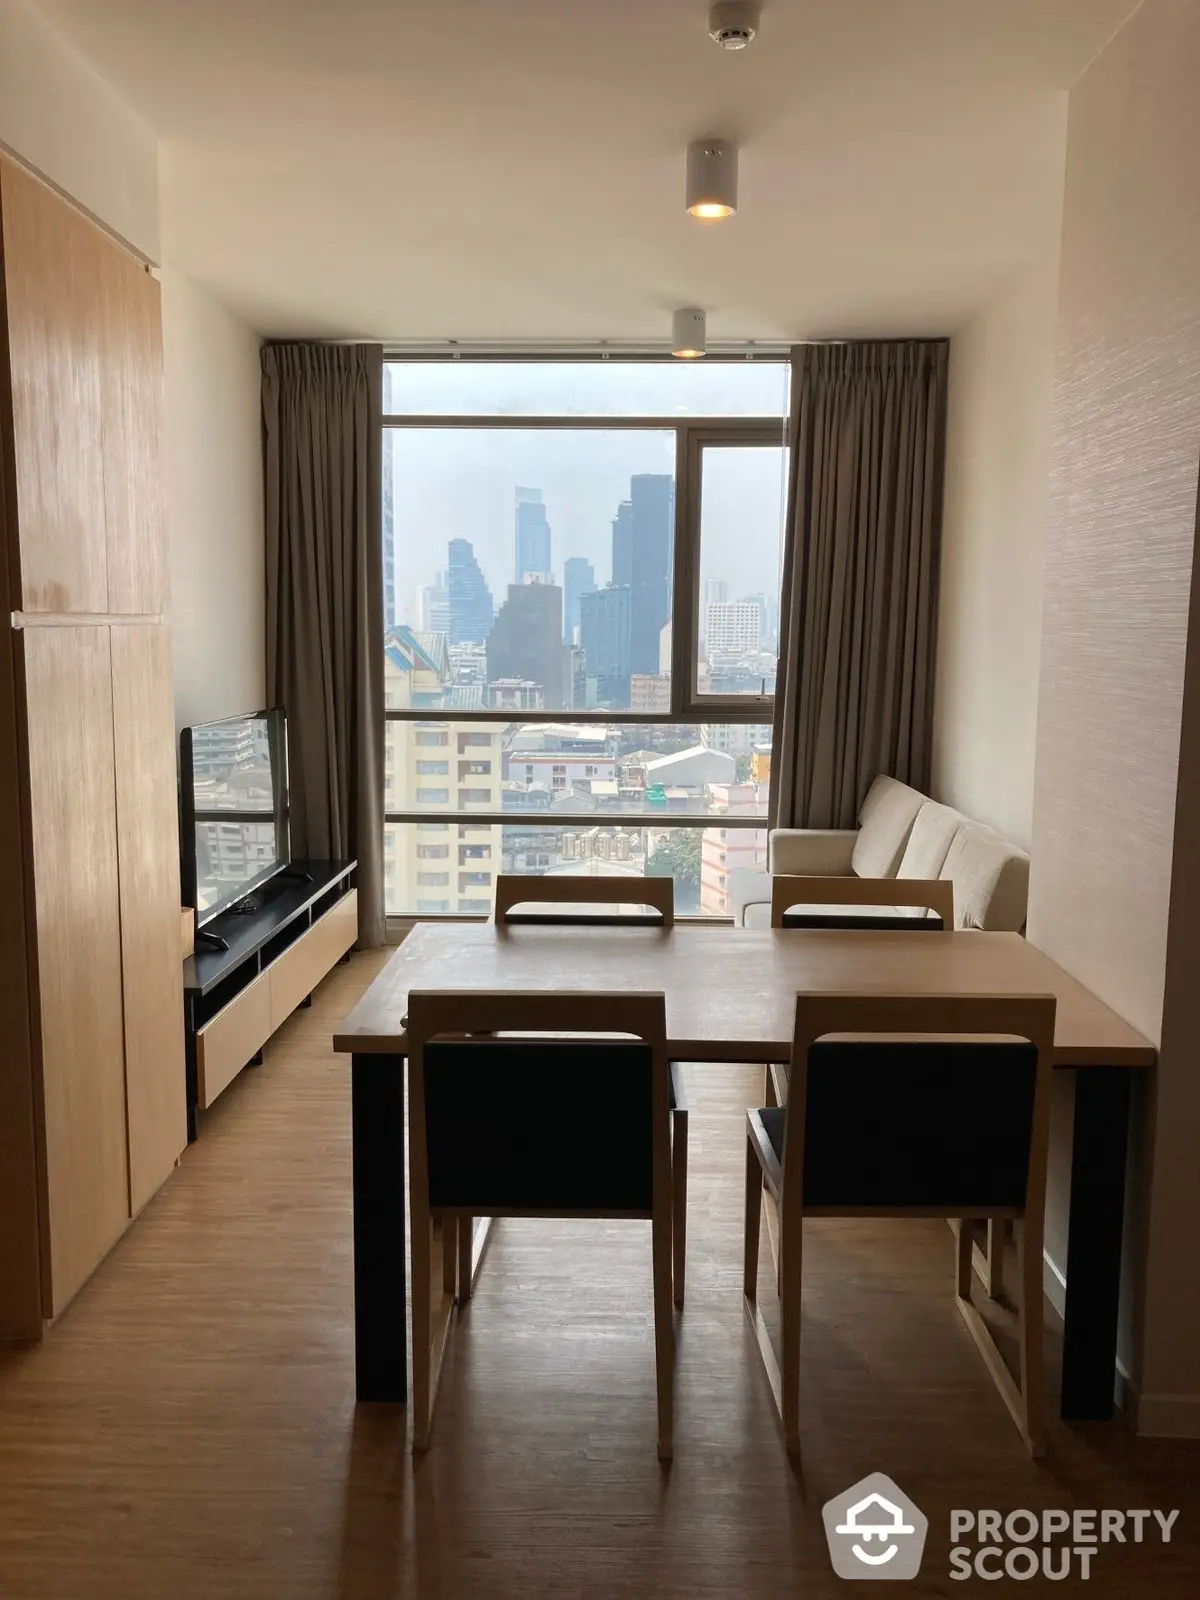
x,y
1033,1377
769,1096
664,1329
791,1241
449,1255
679,1185
422,1331
963,1257
466,1246
754,1188
997,1233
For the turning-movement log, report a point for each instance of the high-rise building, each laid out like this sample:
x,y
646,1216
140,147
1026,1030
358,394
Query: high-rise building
x,y
433,606
532,536
526,639
579,578
716,591
622,546
651,520
470,600
604,634
390,617
733,628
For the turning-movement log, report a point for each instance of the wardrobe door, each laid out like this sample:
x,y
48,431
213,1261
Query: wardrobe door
x,y
148,857
54,274
135,518
80,1092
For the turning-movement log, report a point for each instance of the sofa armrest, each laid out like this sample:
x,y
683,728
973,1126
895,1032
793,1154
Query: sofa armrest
x,y
811,852
748,888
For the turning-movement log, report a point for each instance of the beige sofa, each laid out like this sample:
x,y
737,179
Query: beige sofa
x,y
901,834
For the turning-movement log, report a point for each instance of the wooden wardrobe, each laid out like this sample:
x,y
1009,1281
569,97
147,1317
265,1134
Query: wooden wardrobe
x,y
91,1015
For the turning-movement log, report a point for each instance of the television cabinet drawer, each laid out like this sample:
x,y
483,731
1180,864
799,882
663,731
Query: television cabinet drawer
x,y
298,971
226,1043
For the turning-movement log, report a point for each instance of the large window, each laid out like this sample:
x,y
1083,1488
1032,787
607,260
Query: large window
x,y
582,591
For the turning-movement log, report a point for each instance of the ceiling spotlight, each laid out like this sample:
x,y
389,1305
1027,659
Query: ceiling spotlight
x,y
687,334
712,176
733,23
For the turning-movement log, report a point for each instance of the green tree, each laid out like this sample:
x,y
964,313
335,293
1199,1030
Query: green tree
x,y
678,856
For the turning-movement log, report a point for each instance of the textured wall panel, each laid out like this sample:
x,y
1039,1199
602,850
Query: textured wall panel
x,y
1123,482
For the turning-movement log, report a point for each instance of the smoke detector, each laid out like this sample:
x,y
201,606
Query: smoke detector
x,y
733,23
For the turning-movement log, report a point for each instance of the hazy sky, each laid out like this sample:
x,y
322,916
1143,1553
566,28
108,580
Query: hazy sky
x,y
458,483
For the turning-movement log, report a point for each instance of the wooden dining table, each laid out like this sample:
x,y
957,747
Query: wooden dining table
x,y
730,997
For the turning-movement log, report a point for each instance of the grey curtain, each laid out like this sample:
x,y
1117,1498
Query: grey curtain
x,y
854,695
323,452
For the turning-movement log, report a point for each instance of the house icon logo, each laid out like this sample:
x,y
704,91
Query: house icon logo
x,y
875,1531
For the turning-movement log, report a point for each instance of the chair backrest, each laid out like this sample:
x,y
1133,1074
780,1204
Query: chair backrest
x,y
954,1124
513,889
932,894
504,1118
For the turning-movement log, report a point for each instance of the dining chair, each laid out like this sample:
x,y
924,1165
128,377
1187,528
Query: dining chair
x,y
493,1132
515,889
956,1126
794,901
658,894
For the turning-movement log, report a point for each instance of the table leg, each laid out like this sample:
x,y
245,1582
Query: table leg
x,y
380,1303
1097,1218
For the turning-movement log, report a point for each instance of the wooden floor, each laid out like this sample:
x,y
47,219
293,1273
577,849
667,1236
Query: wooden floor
x,y
188,1429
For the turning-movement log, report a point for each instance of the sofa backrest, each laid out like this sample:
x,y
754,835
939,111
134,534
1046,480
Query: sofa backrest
x,y
885,821
991,880
933,831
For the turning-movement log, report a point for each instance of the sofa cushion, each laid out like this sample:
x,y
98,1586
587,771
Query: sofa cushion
x,y
930,839
885,820
991,880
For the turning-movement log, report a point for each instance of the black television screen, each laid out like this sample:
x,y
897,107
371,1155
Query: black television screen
x,y
234,809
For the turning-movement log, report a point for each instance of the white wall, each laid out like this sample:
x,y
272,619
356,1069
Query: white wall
x,y
62,119
1116,868
990,612
214,504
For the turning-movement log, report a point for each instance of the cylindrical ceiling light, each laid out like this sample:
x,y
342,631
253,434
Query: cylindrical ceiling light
x,y
712,174
687,334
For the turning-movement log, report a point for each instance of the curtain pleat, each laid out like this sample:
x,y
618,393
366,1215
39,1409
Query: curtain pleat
x,y
854,696
323,458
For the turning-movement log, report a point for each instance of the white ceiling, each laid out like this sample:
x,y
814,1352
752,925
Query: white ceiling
x,y
513,169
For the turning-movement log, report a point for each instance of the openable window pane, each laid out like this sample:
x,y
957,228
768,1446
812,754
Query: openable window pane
x,y
605,769
528,569
701,861
743,493
612,388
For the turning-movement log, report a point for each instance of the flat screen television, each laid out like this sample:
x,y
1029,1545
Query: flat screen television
x,y
233,809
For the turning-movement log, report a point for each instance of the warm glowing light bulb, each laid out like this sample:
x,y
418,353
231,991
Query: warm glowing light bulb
x,y
711,208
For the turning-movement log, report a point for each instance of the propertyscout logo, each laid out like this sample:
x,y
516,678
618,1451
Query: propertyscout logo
x,y
875,1531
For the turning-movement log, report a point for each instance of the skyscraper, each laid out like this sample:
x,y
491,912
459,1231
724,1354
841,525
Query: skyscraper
x,y
470,600
533,536
433,606
604,627
651,518
526,639
622,546
390,617
579,578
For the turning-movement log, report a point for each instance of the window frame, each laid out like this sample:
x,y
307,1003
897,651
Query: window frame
x,y
687,706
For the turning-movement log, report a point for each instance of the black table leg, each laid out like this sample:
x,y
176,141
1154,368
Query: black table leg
x,y
380,1302
1094,1242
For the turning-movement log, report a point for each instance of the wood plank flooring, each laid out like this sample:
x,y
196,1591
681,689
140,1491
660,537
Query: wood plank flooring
x,y
188,1429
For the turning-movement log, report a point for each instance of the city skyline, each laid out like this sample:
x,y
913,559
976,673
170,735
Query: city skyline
x,y
442,484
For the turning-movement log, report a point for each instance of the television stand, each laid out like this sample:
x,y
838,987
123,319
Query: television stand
x,y
252,969
292,874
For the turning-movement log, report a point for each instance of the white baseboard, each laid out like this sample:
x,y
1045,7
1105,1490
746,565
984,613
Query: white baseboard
x,y
1152,1416
1166,1416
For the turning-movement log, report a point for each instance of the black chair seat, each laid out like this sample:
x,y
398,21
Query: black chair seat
x,y
873,919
